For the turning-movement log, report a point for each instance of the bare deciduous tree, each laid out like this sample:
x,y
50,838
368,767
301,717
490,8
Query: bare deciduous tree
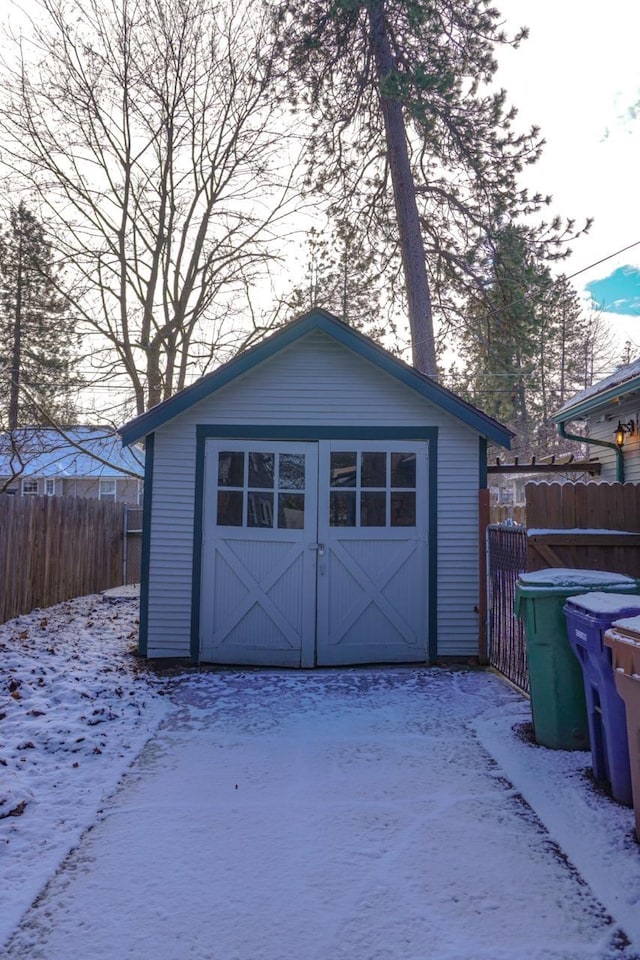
x,y
141,129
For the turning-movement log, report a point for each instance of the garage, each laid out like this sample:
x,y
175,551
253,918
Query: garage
x,y
313,503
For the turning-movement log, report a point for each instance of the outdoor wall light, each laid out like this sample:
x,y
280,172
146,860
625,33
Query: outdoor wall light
x,y
623,428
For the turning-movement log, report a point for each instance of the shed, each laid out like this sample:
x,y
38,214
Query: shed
x,y
313,502
594,416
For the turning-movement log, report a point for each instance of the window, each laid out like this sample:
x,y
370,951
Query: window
x,y
372,489
29,487
50,487
107,490
259,489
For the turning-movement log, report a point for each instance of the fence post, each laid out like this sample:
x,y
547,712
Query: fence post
x,y
125,543
483,517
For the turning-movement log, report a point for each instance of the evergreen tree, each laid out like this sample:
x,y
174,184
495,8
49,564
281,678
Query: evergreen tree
x,y
36,331
500,341
343,276
527,345
410,138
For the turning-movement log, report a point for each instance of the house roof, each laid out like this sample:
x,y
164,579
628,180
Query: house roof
x,y
625,380
81,452
317,319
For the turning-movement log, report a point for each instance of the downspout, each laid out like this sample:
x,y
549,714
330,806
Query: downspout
x,y
562,430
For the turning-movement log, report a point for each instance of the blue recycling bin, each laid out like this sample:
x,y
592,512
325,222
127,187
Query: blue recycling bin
x,y
589,616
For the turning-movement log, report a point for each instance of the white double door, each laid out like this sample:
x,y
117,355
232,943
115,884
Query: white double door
x,y
314,553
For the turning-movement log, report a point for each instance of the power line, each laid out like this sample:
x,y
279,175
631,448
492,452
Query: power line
x,y
604,260
570,276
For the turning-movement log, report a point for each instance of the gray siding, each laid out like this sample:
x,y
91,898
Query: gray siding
x,y
602,426
315,381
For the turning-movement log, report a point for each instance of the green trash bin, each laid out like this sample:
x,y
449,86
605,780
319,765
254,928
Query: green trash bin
x,y
556,683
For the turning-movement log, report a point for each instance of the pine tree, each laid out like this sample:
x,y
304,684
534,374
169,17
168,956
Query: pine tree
x,y
411,139
499,342
342,275
36,331
527,344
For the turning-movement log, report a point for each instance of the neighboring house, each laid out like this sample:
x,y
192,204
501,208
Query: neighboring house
x,y
314,502
82,462
598,412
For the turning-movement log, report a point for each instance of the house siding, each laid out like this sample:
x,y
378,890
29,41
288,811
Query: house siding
x,y
126,487
602,425
313,382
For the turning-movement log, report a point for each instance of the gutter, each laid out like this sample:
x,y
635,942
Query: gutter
x,y
562,430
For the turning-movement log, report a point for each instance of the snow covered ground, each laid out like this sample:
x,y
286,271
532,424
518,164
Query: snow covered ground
x,y
360,814
74,713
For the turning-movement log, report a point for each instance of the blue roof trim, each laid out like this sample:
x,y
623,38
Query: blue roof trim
x,y
578,410
317,320
620,383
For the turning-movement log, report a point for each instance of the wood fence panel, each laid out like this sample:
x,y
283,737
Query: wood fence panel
x,y
595,508
501,513
57,548
134,545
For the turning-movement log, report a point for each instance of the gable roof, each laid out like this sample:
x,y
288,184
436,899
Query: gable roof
x,y
623,381
317,319
45,452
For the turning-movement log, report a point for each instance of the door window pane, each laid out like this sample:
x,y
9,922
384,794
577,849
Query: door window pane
x,y
261,470
385,488
291,511
373,470
260,510
403,509
373,509
230,508
403,470
342,509
230,469
291,475
343,469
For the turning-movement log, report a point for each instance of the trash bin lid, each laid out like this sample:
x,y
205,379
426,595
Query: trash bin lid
x,y
565,582
629,626
566,577
604,606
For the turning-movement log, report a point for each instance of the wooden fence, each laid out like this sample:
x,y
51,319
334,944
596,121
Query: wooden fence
x,y
133,545
589,526
502,513
57,548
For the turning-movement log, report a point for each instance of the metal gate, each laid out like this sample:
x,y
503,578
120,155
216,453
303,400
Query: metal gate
x,y
506,560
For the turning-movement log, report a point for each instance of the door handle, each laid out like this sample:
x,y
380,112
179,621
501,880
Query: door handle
x,y
319,547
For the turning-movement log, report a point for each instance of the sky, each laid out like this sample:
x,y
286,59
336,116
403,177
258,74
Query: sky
x,y
578,77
